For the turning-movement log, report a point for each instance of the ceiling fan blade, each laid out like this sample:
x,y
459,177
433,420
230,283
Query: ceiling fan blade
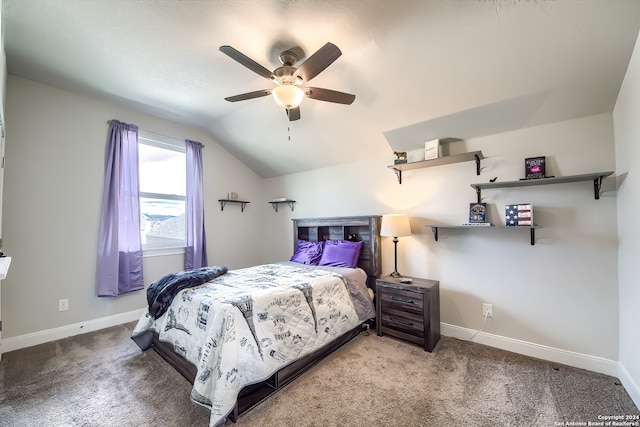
x,y
329,95
317,62
293,113
246,61
249,95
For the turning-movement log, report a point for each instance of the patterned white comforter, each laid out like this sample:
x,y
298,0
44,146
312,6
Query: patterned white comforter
x,y
241,327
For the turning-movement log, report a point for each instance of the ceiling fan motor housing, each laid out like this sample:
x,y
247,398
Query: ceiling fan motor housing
x,y
288,58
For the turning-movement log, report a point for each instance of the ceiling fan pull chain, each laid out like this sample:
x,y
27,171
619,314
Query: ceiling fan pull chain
x,y
289,123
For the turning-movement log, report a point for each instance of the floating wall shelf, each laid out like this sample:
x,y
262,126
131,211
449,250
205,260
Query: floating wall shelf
x,y
223,202
596,177
532,229
275,204
445,160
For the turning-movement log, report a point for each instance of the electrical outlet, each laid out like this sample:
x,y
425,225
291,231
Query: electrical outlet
x,y
487,310
63,305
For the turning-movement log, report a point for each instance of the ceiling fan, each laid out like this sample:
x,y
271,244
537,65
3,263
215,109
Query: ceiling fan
x,y
289,91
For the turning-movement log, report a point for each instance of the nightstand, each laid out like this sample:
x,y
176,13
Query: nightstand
x,y
410,311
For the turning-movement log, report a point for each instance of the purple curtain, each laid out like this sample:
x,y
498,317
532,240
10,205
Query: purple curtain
x,y
119,241
196,252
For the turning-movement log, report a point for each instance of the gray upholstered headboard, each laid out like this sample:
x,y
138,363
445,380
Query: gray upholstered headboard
x,y
356,228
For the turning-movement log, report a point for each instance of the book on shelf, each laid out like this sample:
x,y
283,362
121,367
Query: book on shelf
x,y
519,215
534,167
476,224
432,149
477,213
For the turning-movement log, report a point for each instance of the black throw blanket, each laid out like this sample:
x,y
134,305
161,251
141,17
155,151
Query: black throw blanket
x,y
161,292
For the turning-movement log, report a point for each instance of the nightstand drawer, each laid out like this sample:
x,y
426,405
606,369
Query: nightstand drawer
x,y
399,299
401,321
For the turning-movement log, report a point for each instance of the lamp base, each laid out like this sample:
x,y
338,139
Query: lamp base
x,y
395,274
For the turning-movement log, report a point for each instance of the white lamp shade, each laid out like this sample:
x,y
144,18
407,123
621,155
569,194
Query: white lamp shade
x,y
395,225
288,95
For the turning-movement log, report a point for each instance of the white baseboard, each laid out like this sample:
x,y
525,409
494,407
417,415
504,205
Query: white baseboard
x,y
41,337
632,388
570,358
578,360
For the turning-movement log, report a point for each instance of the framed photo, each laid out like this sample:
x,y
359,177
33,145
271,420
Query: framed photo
x,y
432,149
477,213
534,167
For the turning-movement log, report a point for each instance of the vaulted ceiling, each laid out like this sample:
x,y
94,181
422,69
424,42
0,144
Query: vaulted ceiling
x,y
420,69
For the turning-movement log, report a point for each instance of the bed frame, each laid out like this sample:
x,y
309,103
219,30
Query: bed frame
x,y
355,228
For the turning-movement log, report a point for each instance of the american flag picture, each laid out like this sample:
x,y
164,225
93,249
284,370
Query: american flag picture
x,y
519,215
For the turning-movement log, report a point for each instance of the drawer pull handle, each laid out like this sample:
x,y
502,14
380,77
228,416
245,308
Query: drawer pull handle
x,y
406,301
402,322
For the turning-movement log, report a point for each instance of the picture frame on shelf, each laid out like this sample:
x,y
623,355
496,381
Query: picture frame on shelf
x,y
432,149
477,213
534,167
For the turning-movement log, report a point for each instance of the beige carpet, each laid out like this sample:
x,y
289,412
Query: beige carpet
x,y
102,379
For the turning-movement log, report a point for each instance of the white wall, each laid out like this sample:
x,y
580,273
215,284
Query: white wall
x,y
627,135
561,293
55,151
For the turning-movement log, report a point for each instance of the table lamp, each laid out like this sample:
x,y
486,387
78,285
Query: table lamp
x,y
395,225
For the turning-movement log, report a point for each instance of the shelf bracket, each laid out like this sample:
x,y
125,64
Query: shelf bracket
x,y
477,165
533,236
597,185
399,175
291,204
479,194
435,233
223,203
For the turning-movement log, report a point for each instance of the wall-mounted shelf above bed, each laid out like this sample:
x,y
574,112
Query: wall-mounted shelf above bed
x,y
223,202
275,203
596,177
445,160
532,229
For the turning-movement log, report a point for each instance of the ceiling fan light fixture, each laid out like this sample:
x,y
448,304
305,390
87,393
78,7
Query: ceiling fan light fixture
x,y
288,95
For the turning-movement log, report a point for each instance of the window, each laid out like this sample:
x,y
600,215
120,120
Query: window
x,y
163,190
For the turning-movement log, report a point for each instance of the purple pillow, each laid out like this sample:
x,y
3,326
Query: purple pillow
x,y
341,253
308,252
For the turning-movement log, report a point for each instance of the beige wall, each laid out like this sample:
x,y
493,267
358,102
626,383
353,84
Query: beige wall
x,y
52,193
561,293
627,134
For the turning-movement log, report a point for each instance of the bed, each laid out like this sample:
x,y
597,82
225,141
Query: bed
x,y
246,333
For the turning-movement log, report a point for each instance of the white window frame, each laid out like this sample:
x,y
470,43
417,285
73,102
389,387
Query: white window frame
x,y
167,143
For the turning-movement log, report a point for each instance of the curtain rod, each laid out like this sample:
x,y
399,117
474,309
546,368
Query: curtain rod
x,y
158,134
171,137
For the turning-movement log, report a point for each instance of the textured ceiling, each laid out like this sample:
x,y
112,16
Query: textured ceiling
x,y
420,69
